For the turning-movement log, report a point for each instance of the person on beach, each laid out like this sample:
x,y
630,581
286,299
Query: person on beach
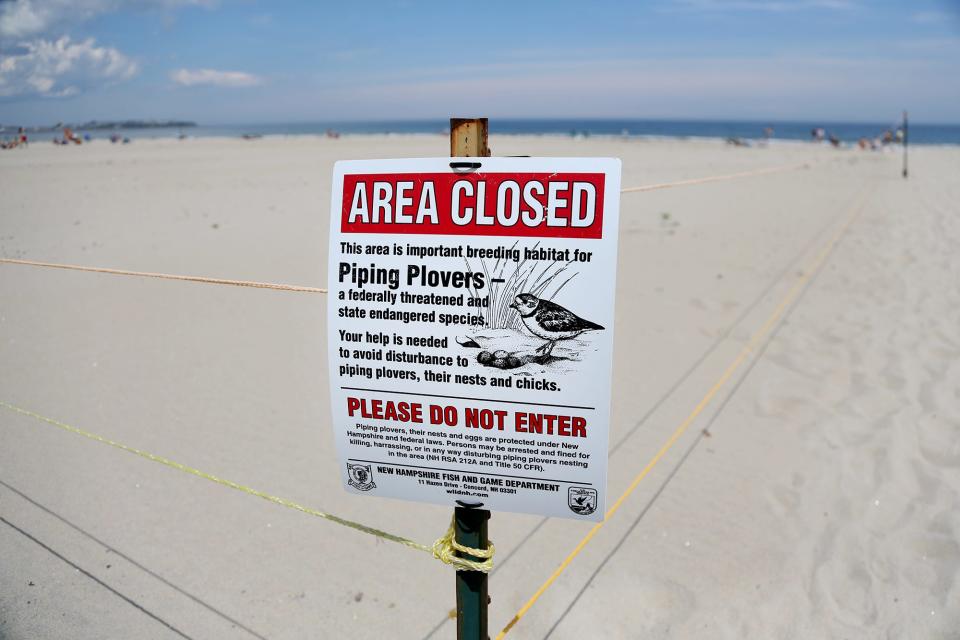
x,y
70,136
19,140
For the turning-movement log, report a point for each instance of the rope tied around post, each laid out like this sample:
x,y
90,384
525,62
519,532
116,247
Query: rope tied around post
x,y
446,548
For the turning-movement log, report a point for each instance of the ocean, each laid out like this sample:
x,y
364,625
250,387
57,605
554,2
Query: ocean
x,y
848,132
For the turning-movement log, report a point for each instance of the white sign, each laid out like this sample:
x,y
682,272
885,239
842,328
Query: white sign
x,y
470,325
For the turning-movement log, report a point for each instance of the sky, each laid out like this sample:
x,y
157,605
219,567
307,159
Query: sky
x,y
250,61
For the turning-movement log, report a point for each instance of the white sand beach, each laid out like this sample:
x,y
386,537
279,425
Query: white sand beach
x,y
811,488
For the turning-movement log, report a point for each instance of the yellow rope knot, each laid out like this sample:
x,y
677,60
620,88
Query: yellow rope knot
x,y
446,547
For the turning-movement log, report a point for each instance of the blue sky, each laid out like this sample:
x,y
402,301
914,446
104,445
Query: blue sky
x,y
244,61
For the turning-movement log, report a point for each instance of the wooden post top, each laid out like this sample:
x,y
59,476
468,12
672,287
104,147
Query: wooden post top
x,y
468,138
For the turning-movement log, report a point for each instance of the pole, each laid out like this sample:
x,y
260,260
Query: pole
x,y
905,144
470,527
468,139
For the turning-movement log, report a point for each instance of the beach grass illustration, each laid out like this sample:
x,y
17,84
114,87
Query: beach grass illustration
x,y
506,341
507,278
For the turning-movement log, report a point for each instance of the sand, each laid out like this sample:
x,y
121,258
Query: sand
x,y
823,503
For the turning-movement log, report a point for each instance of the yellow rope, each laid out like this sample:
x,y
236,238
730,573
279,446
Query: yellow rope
x,y
167,276
728,176
443,549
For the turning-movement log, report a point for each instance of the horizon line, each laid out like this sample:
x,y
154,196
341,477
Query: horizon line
x,y
773,120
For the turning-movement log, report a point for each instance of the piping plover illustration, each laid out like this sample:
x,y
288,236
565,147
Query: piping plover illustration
x,y
550,321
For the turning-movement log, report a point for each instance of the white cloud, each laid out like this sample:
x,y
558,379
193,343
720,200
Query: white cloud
x,y
60,67
22,18
214,78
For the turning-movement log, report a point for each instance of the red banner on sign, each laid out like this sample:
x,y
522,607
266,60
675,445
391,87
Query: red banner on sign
x,y
548,205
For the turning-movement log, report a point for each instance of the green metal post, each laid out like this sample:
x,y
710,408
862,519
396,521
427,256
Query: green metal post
x,y
470,528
